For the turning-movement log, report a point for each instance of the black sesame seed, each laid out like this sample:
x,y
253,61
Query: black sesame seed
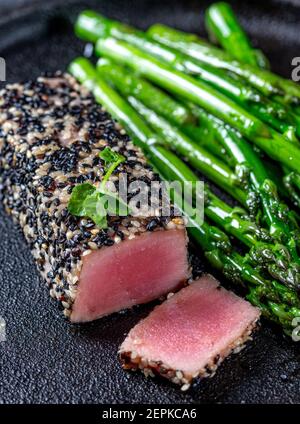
x,y
22,131
120,234
48,182
62,239
86,234
152,225
76,252
60,306
108,242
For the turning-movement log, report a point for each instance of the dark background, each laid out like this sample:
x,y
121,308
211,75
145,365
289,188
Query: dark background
x,y
46,360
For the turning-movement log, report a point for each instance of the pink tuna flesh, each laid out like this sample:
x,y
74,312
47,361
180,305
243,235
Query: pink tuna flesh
x,y
189,331
129,273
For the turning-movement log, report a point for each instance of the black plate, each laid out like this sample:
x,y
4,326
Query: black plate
x,y
45,360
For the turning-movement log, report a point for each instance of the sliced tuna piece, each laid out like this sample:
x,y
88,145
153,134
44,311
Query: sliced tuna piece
x,y
50,143
130,273
190,334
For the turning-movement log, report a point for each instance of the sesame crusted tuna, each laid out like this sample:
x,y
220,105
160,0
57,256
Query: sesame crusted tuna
x,y
190,334
50,137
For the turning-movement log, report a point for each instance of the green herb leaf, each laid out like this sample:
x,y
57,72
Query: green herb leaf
x,y
95,209
79,194
110,157
95,203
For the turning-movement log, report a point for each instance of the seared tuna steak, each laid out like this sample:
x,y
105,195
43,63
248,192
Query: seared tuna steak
x,y
51,134
190,334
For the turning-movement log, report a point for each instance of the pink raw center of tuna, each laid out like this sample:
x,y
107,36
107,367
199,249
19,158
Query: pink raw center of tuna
x,y
132,272
190,329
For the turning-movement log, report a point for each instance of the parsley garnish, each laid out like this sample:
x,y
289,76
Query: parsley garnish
x,y
95,202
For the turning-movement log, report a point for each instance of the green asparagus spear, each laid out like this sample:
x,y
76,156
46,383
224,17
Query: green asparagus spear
x,y
205,96
91,26
205,137
149,94
223,25
291,182
193,46
218,130
198,157
212,167
279,218
130,84
268,111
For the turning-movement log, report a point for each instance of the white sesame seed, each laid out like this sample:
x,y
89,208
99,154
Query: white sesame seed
x,y
133,355
136,224
52,293
69,235
75,280
171,225
93,245
67,313
179,374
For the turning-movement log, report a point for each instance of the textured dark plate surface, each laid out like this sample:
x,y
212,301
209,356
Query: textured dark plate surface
x,y
44,358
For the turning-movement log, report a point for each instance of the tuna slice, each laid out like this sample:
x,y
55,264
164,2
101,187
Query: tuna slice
x,y
49,143
190,334
135,271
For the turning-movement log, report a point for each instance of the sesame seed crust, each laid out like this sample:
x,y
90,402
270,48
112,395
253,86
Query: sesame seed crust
x,y
51,132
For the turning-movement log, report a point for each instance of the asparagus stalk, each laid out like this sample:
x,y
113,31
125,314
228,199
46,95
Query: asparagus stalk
x,y
279,218
268,111
291,182
223,25
205,137
205,96
147,93
265,109
91,26
198,157
265,81
130,84
221,132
